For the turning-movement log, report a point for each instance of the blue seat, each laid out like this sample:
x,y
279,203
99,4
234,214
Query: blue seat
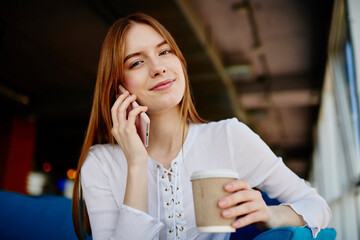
x,y
296,233
41,218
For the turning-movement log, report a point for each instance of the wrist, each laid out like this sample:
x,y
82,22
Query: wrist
x,y
282,216
276,218
136,192
137,166
137,162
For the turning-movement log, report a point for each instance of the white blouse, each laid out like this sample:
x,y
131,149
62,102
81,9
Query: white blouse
x,y
224,144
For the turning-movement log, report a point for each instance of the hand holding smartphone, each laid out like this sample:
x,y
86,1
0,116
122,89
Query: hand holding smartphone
x,y
142,121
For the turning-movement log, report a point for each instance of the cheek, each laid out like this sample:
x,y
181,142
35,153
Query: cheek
x,y
133,80
177,64
181,75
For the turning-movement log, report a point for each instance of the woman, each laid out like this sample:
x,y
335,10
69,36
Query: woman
x,y
134,192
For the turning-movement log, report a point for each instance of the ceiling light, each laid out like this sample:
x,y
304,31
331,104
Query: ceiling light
x,y
239,72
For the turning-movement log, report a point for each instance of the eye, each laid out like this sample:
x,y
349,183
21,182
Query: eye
x,y
165,52
134,64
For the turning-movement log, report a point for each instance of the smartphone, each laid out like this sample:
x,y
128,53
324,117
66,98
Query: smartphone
x,y
142,121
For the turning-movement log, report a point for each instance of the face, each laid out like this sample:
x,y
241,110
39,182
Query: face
x,y
151,70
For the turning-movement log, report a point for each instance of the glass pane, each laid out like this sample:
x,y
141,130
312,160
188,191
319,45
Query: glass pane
x,y
352,90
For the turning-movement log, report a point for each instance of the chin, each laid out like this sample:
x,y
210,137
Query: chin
x,y
165,105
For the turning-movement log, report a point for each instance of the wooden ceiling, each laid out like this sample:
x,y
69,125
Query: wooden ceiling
x,y
262,61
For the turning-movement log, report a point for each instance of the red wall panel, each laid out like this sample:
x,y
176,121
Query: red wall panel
x,y
20,155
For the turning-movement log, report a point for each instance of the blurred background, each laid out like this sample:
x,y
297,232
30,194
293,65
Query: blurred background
x,y
288,69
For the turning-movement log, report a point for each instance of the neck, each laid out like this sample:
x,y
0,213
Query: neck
x,y
166,135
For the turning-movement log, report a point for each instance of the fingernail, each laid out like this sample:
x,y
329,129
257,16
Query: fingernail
x,y
235,224
226,213
222,203
229,186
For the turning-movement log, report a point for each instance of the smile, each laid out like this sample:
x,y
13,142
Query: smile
x,y
163,85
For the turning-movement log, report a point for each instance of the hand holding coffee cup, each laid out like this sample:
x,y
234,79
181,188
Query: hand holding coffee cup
x,y
208,188
220,197
247,204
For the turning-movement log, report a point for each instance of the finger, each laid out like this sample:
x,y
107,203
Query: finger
x,y
239,197
114,108
242,209
254,217
122,113
134,113
236,185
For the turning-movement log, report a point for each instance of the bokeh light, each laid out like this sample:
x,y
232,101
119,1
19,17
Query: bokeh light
x,y
61,184
71,173
47,167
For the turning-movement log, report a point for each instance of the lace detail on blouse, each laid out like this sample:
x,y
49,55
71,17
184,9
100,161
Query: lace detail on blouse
x,y
170,191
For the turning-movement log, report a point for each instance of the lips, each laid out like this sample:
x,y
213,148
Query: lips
x,y
163,85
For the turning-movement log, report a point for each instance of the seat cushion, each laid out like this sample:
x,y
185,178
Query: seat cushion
x,y
296,233
44,217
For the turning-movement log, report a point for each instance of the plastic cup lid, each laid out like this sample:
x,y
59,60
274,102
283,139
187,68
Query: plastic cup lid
x,y
213,173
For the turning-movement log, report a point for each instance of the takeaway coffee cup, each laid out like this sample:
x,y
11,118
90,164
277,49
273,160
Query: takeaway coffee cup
x,y
208,188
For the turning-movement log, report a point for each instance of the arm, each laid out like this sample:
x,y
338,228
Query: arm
x,y
109,217
136,194
124,131
249,204
256,163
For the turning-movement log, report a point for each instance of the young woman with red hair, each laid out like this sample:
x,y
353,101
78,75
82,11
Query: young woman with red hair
x,y
135,192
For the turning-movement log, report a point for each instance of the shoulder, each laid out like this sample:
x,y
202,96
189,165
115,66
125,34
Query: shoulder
x,y
104,149
231,125
225,131
230,131
100,157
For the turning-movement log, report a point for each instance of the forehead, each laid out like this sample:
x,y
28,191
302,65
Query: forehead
x,y
140,37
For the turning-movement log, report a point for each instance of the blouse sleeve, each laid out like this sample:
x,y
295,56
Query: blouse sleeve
x,y
108,220
263,170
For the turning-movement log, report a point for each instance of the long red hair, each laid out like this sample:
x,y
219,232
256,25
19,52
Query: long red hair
x,y
109,75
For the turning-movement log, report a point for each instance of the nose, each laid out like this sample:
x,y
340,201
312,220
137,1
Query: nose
x,y
158,68
159,73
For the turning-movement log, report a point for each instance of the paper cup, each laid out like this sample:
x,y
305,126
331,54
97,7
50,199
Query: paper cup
x,y
208,188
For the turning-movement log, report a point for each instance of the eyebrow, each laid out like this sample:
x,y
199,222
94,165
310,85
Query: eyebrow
x,y
138,53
